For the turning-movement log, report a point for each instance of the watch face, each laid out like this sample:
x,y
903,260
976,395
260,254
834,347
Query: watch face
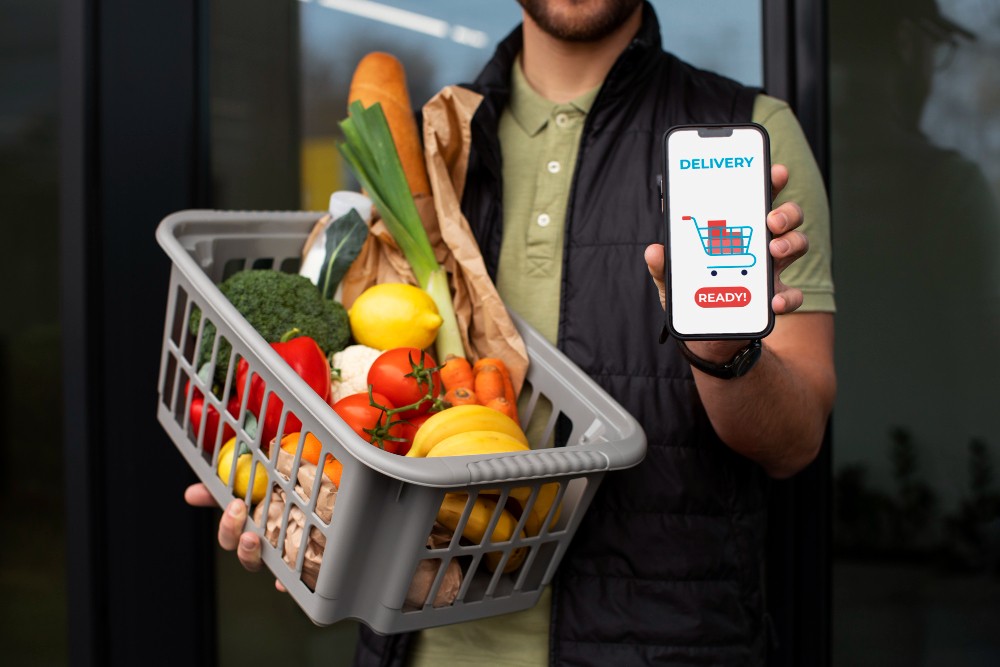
x,y
746,359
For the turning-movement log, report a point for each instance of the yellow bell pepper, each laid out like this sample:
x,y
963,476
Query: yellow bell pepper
x,y
242,480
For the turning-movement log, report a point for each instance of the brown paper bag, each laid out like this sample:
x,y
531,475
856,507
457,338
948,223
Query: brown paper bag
x,y
427,570
486,328
325,501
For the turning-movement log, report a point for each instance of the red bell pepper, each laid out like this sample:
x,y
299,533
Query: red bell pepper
x,y
306,358
212,419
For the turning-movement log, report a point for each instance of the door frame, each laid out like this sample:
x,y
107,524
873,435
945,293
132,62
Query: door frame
x,y
139,562
799,583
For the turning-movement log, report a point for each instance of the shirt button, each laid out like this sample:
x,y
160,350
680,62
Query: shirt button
x,y
544,220
553,167
562,120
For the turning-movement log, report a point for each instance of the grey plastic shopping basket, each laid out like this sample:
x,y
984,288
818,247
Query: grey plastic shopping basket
x,y
387,504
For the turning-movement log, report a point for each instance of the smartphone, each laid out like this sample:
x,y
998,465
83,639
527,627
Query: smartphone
x,y
716,196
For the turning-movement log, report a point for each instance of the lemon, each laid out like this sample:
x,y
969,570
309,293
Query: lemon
x,y
391,315
242,473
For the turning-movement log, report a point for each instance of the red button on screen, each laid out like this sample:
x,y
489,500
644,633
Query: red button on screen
x,y
722,297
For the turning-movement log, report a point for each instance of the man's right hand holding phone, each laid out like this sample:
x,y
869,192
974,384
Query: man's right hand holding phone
x,y
776,414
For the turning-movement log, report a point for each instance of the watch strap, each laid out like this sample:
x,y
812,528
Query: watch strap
x,y
741,363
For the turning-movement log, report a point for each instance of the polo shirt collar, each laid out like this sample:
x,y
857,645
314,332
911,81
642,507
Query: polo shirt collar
x,y
532,111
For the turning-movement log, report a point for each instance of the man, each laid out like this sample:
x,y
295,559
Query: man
x,y
667,567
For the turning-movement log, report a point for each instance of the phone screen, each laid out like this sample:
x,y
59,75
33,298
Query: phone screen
x,y
717,196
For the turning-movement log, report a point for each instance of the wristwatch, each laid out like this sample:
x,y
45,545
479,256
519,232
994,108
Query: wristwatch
x,y
738,366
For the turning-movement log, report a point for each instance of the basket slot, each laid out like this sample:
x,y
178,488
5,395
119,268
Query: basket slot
x,y
540,509
177,310
231,267
440,559
177,348
315,535
204,439
538,567
290,264
440,573
316,486
502,585
263,263
188,343
259,518
538,419
283,529
303,541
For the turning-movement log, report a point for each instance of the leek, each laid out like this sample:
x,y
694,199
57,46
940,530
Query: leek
x,y
372,157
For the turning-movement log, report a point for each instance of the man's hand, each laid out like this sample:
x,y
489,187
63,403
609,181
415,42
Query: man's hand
x,y
231,534
776,413
787,245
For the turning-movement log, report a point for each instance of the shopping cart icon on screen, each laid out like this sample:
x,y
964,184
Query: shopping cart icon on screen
x,y
727,246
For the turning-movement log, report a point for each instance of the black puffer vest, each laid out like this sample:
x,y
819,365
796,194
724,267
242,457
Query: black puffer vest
x,y
667,567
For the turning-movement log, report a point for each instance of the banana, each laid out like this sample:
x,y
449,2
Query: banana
x,y
461,418
468,443
517,500
482,511
516,560
543,503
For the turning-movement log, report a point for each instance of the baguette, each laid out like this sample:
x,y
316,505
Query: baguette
x,y
380,77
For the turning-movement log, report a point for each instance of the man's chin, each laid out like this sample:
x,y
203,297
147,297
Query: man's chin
x,y
579,20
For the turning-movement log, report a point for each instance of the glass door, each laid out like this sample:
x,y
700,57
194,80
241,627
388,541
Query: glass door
x,y
33,610
915,120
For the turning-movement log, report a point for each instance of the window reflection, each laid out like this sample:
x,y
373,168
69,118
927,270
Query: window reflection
x,y
917,237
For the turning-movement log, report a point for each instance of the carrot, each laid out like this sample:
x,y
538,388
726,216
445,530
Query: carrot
x,y
501,404
507,390
461,396
380,77
489,383
457,374
489,361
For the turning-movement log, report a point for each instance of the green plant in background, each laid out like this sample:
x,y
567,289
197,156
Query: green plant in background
x,y
915,501
973,531
904,525
862,514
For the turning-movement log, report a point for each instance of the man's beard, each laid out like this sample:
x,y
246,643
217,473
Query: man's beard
x,y
580,20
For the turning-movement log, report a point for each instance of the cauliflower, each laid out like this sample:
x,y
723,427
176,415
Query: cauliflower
x,y
352,365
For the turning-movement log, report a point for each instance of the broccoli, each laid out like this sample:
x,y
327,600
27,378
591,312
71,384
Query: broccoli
x,y
274,303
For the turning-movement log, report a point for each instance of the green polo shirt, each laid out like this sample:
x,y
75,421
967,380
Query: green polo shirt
x,y
539,140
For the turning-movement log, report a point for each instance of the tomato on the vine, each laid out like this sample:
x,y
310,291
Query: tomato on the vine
x,y
409,429
371,421
406,376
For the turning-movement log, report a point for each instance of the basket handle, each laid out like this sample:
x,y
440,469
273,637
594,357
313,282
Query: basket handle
x,y
541,463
